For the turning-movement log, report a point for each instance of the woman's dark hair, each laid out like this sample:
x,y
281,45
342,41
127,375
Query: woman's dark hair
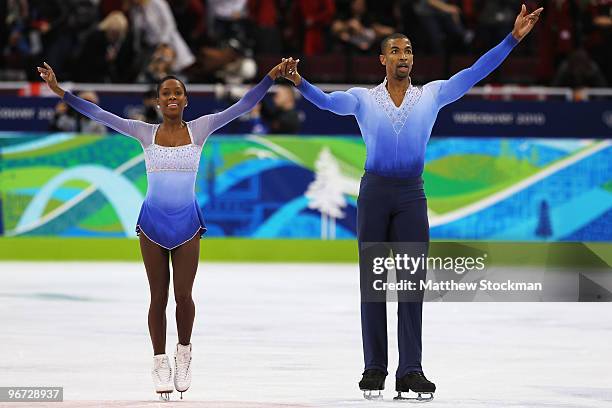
x,y
167,77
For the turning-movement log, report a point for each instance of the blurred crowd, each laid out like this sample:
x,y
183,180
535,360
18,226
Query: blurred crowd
x,y
140,41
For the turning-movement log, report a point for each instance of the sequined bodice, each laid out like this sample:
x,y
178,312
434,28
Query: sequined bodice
x,y
397,115
179,158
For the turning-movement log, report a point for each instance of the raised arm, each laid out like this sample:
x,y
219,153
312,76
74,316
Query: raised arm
x,y
339,102
132,128
93,111
245,104
207,124
458,85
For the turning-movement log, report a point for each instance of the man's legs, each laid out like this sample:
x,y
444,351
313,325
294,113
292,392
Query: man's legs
x,y
410,225
372,227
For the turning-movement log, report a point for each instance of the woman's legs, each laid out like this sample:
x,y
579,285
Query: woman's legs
x,y
156,260
184,266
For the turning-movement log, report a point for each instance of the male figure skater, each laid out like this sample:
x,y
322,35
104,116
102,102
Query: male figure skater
x,y
396,119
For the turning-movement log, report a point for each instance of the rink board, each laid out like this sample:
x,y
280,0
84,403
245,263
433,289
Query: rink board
x,y
485,189
249,250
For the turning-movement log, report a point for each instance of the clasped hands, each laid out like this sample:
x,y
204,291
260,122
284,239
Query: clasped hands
x,y
288,69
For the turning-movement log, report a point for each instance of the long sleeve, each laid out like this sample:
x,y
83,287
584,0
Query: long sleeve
x,y
339,102
207,124
133,128
458,85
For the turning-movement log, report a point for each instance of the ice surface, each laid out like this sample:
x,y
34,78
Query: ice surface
x,y
272,335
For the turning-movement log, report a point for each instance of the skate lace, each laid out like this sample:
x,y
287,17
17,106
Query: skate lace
x,y
182,368
162,368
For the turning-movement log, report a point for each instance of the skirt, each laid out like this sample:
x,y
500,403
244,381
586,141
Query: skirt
x,y
170,229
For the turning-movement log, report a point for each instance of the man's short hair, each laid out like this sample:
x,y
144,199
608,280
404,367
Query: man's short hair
x,y
394,36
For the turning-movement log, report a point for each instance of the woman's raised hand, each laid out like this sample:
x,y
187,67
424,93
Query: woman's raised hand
x,y
47,74
277,71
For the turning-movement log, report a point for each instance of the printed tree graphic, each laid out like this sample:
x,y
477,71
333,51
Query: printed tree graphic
x,y
544,228
325,193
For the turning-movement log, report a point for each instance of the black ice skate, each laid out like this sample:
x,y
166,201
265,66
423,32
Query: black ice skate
x,y
415,382
372,380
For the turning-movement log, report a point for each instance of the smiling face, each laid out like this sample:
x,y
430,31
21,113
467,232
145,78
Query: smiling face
x,y
397,57
172,98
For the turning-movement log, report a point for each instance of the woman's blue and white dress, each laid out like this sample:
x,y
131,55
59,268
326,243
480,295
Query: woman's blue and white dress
x,y
170,215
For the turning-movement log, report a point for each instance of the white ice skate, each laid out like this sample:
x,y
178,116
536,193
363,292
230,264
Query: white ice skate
x,y
182,368
162,376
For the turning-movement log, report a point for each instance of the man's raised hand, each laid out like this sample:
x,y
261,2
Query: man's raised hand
x,y
525,22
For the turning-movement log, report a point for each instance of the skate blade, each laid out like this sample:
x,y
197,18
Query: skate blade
x,y
418,398
367,394
164,396
182,391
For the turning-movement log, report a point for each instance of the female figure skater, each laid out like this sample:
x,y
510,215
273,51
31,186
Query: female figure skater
x,y
395,119
170,219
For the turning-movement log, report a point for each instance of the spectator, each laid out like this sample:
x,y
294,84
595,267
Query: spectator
x,y
281,115
110,53
311,19
495,21
442,22
14,42
229,19
385,13
264,15
229,63
148,112
46,41
192,17
357,28
108,6
154,23
64,119
60,26
86,125
257,126
561,35
579,71
67,119
160,64
599,28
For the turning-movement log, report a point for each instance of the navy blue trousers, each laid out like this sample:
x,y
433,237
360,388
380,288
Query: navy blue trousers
x,y
391,209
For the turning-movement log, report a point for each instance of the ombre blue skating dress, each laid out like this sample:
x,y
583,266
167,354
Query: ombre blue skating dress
x,y
170,215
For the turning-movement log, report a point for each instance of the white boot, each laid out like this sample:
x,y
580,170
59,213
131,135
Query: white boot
x,y
162,376
182,368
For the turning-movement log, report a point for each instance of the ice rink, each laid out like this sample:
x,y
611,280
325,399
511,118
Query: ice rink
x,y
286,335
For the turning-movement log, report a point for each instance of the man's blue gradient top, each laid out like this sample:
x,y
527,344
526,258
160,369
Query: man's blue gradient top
x,y
396,137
